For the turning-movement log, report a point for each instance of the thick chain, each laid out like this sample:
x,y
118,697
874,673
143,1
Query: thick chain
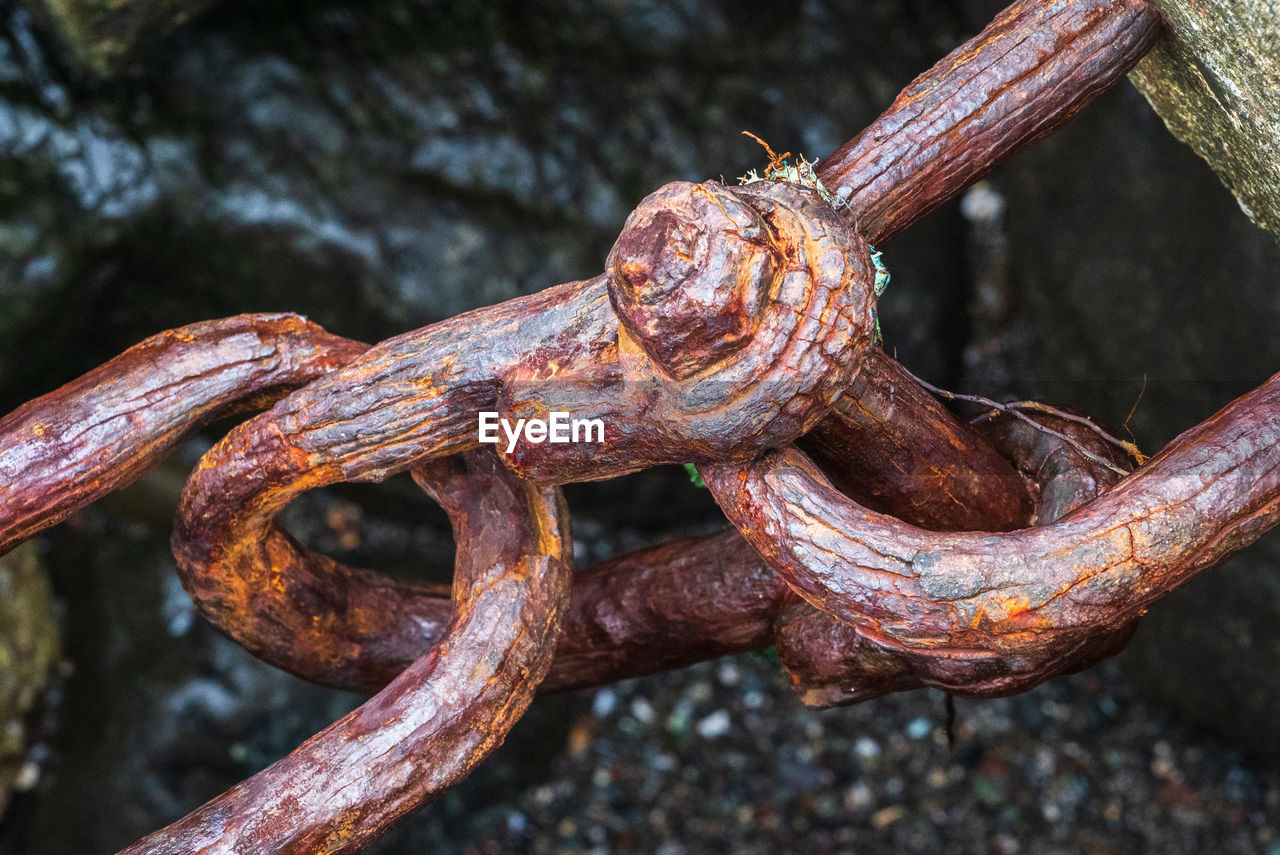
x,y
732,328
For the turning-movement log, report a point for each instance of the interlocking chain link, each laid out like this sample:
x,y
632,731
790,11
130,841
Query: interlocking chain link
x,y
732,328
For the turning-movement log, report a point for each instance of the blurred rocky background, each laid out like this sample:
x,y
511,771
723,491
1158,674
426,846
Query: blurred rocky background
x,y
382,165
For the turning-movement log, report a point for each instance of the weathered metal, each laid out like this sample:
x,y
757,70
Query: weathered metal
x,y
102,430
833,662
1016,599
732,328
444,713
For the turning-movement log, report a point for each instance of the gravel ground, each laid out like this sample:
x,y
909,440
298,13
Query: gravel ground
x,y
721,758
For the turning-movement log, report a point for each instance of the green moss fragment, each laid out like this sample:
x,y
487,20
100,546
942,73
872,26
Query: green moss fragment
x,y
28,651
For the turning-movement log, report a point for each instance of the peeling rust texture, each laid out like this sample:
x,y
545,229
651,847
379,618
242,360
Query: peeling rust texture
x,y
444,714
729,323
775,266
891,445
101,431
666,607
1019,80
667,372
1019,597
831,662
662,607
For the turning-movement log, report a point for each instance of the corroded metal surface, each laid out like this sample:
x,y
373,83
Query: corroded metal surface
x,y
890,444
1022,598
415,397
444,713
832,662
729,324
1019,80
102,430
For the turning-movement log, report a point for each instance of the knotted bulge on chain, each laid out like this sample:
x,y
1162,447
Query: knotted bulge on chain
x,y
765,289
743,313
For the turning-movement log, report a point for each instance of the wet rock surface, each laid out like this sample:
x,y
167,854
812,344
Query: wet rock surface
x,y
379,166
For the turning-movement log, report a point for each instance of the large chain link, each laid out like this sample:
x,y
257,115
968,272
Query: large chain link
x,y
732,328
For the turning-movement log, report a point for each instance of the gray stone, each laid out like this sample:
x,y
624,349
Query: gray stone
x,y
1214,79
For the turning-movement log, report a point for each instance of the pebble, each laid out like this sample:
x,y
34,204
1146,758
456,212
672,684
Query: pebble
x,y
715,725
919,728
28,777
604,703
642,711
858,796
700,692
678,721
887,816
866,747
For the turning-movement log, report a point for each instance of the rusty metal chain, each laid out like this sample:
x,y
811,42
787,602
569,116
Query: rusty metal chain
x,y
880,543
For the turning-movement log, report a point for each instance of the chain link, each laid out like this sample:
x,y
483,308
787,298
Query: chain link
x,y
733,329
